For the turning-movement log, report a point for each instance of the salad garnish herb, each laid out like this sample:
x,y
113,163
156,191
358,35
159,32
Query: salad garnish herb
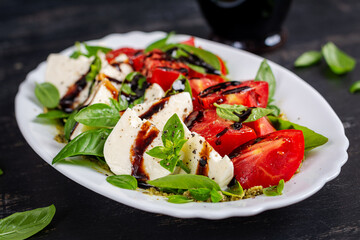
x,y
70,123
53,114
23,225
47,94
312,139
89,143
274,190
181,84
123,181
308,59
234,112
159,43
179,199
265,74
173,138
99,115
355,87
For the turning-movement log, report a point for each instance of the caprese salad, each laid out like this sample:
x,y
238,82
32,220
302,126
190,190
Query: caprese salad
x,y
167,119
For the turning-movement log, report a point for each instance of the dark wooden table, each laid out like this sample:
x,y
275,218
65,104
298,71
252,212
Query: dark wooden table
x,y
30,30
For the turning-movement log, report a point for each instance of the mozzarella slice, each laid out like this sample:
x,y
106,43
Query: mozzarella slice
x,y
153,93
202,159
158,112
114,73
122,150
102,93
63,71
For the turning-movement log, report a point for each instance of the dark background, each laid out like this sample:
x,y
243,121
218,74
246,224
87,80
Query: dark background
x,y
30,30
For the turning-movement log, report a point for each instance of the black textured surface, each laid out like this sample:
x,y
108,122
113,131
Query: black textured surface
x,y
30,30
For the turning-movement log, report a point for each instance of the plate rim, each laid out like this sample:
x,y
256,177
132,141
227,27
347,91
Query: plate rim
x,y
166,208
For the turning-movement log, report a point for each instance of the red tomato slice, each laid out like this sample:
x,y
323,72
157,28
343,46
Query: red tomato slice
x,y
261,126
136,57
190,41
265,161
223,68
247,93
165,77
223,135
200,84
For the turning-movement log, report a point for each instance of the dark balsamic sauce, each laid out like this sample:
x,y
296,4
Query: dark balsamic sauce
x,y
203,166
244,115
217,88
236,90
67,101
155,108
193,118
144,138
237,151
218,140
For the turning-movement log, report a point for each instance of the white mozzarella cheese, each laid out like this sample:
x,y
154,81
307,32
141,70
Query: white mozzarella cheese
x,y
119,146
112,72
63,71
202,159
153,93
180,104
101,94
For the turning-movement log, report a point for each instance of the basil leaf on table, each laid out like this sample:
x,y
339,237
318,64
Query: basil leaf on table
x,y
53,114
47,94
22,225
312,139
355,87
308,58
1,172
200,194
230,112
179,199
87,143
69,125
338,61
274,190
123,181
98,115
265,74
184,181
159,43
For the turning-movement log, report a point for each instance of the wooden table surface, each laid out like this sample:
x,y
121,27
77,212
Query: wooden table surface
x,y
30,30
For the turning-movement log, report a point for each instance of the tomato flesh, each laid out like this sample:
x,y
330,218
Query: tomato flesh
x,y
247,93
262,126
223,135
265,161
136,57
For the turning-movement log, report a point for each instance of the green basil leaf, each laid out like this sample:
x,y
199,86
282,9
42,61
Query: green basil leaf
x,y
215,196
115,104
95,68
98,115
87,143
227,111
23,225
207,56
235,190
158,152
355,87
183,166
159,43
92,50
312,139
265,74
257,113
53,114
184,181
274,190
1,172
47,94
308,58
179,199
196,68
124,104
69,125
170,162
173,129
123,181
77,53
138,100
276,111
200,194
126,88
338,61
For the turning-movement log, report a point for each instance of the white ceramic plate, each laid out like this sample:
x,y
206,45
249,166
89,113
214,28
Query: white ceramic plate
x,y
300,102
